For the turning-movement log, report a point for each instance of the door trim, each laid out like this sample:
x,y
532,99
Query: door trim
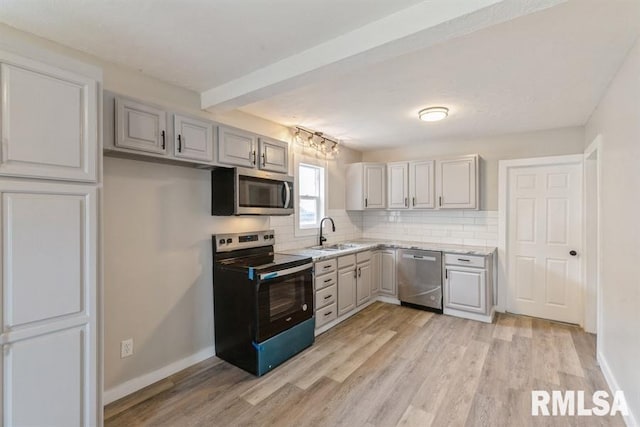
x,y
595,148
504,166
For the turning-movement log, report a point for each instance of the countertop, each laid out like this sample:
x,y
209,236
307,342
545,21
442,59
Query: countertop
x,y
370,244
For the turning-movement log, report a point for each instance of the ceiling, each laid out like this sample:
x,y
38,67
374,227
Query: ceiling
x,y
197,44
499,72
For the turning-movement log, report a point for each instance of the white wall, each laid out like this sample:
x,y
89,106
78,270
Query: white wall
x,y
617,119
491,149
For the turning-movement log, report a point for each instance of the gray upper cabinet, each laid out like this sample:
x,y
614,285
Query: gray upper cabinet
x,y
237,147
140,127
457,183
421,184
274,155
48,121
193,138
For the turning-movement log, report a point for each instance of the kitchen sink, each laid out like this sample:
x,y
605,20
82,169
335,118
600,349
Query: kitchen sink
x,y
336,247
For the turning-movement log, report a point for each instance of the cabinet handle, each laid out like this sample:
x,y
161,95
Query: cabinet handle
x,y
414,201
164,145
366,202
327,266
355,273
328,280
179,143
446,273
328,313
440,200
360,272
464,260
264,159
254,157
406,202
328,296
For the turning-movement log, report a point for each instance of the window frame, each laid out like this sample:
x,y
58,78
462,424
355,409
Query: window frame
x,y
321,200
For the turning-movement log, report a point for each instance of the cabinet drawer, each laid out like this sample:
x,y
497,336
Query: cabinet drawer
x,y
326,280
326,296
326,266
363,256
466,260
346,261
326,315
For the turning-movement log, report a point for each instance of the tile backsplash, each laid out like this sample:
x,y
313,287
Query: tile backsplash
x,y
348,227
461,227
458,227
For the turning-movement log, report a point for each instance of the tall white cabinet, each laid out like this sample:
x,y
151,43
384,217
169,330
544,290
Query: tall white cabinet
x,y
49,235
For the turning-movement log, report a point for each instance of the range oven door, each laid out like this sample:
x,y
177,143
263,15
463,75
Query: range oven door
x,y
263,193
285,298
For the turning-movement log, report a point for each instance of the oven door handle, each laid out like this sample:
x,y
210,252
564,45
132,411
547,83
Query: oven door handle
x,y
285,272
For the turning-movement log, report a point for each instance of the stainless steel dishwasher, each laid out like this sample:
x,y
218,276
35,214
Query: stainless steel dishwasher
x,y
420,278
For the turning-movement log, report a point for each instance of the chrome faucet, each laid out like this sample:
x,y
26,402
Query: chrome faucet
x,y
333,227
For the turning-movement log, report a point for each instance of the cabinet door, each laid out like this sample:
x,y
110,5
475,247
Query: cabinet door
x,y
388,272
374,186
48,300
48,121
398,185
274,155
457,180
346,290
140,127
193,138
237,147
363,283
375,273
422,184
465,289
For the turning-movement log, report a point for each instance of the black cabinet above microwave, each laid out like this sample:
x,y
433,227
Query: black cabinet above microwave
x,y
242,191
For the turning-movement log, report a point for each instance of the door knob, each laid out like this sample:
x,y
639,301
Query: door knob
x,y
573,253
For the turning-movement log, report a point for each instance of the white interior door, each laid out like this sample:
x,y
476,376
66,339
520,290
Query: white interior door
x,y
544,229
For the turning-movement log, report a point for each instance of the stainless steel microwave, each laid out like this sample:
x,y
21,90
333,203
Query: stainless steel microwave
x,y
241,191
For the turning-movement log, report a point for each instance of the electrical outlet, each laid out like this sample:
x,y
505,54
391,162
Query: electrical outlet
x,y
126,348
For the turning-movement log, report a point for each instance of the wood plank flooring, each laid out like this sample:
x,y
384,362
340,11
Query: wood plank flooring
x,y
387,366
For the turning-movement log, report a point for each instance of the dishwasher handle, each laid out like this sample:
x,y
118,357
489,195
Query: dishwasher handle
x,y
419,257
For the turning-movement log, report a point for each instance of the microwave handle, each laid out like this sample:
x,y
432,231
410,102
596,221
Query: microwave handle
x,y
287,197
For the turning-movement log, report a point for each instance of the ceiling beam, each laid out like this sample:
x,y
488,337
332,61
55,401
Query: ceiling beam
x,y
417,27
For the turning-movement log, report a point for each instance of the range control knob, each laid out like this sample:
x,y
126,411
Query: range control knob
x,y
271,236
266,237
229,241
221,241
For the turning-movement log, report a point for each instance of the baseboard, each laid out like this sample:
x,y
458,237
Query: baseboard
x,y
630,420
135,384
388,299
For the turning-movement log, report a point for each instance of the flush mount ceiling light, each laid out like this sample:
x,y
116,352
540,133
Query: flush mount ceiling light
x,y
433,114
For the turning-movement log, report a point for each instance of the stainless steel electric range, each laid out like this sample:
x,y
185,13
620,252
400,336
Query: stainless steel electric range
x,y
263,301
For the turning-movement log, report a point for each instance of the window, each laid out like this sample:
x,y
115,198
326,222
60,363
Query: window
x,y
310,195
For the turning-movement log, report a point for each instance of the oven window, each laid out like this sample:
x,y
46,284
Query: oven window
x,y
285,298
261,193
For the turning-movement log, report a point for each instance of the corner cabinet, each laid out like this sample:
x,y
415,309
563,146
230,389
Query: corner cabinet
x,y
457,183
49,233
366,187
193,138
48,122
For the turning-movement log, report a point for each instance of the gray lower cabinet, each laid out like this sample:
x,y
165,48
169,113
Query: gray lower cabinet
x,y
468,286
375,273
363,283
140,127
193,138
346,290
466,289
388,272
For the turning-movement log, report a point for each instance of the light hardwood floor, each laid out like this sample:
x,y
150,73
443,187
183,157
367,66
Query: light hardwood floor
x,y
387,366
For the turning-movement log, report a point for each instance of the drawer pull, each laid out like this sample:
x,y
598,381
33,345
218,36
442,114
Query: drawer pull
x,y
288,319
328,313
328,280
328,296
464,260
327,266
